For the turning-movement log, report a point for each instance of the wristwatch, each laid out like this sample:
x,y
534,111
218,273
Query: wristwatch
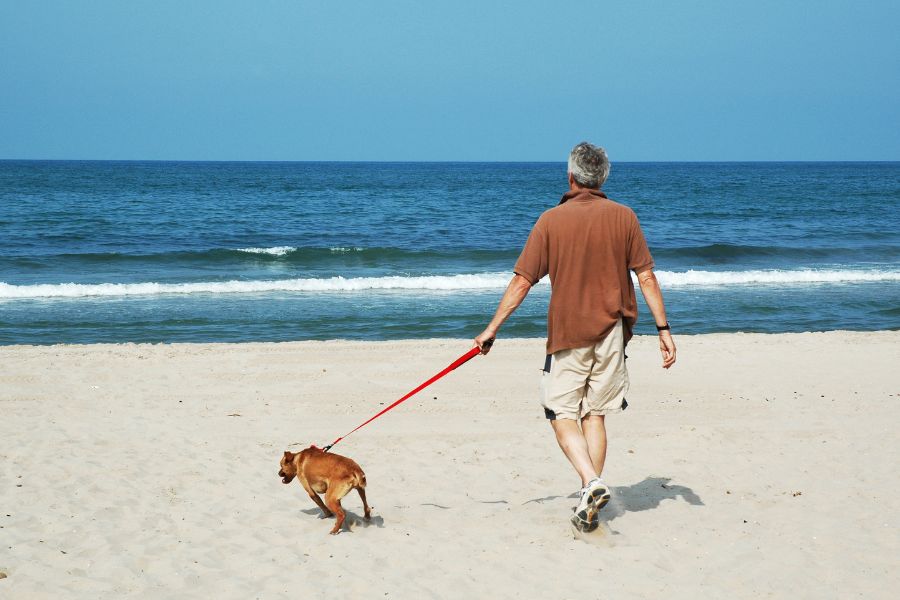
x,y
663,327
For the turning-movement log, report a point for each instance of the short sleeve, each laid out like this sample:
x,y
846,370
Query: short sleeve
x,y
639,256
533,263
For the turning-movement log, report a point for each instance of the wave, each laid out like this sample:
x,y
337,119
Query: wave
x,y
330,284
460,282
290,255
273,251
341,249
773,277
339,257
285,250
721,254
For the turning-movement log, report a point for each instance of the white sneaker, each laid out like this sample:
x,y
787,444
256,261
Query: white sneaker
x,y
594,496
600,493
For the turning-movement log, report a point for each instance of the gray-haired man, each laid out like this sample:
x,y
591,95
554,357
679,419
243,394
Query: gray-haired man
x,y
588,245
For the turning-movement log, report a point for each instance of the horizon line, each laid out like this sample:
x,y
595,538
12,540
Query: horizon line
x,y
323,161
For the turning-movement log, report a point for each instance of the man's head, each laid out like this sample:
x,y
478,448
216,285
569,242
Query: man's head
x,y
588,166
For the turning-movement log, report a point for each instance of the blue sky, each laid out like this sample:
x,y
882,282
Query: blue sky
x,y
449,80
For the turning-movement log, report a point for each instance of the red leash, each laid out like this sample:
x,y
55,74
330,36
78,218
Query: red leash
x,y
456,363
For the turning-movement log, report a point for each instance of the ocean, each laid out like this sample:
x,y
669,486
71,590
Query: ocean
x,y
95,251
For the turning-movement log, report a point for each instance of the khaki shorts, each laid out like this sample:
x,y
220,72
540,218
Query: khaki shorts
x,y
586,381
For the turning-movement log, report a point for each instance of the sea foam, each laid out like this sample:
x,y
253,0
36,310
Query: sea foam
x,y
330,284
773,277
273,251
461,282
285,250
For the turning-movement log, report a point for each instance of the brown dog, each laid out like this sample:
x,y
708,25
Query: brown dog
x,y
321,472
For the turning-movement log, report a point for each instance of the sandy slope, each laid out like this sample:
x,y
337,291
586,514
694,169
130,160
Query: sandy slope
x,y
762,465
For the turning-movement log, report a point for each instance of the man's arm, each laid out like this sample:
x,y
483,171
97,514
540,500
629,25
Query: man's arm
x,y
515,293
653,297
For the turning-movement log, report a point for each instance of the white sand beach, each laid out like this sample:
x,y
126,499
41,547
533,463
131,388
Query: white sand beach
x,y
759,466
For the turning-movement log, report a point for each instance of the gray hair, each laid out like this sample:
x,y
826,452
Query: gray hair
x,y
588,165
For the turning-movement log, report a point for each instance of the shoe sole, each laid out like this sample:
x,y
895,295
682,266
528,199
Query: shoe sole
x,y
599,498
581,522
588,519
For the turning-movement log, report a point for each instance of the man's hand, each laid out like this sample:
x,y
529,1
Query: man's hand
x,y
667,348
485,339
515,292
653,296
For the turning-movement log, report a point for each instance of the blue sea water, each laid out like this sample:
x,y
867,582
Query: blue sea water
x,y
200,251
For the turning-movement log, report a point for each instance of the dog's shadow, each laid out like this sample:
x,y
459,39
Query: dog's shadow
x,y
645,495
351,518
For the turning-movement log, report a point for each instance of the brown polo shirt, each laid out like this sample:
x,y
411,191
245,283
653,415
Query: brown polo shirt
x,y
588,245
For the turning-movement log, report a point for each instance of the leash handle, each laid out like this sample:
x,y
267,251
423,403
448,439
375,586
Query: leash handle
x,y
475,351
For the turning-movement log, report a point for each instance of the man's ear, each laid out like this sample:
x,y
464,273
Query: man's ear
x,y
571,179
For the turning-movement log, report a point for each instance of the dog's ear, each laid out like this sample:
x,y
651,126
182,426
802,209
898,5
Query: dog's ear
x,y
288,455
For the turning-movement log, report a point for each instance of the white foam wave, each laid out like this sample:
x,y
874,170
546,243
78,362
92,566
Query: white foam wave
x,y
342,250
331,284
482,281
772,277
274,250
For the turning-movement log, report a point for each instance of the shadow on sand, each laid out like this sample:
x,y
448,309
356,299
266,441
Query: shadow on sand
x,y
351,518
645,495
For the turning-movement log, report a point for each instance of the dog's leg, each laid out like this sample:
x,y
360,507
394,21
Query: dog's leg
x,y
315,498
362,494
334,503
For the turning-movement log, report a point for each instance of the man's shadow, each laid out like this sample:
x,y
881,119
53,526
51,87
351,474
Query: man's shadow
x,y
645,495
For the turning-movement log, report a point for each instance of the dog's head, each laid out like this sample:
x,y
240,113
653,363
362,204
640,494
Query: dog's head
x,y
288,469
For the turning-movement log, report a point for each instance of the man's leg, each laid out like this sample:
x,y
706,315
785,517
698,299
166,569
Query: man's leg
x,y
606,390
575,447
594,430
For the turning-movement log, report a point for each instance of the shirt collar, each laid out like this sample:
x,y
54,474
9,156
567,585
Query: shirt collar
x,y
581,194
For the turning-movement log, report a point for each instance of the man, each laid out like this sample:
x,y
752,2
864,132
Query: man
x,y
588,245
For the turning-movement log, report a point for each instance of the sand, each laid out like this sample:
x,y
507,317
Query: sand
x,y
759,466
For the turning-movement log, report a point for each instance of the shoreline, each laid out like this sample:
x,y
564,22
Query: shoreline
x,y
757,464
852,332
